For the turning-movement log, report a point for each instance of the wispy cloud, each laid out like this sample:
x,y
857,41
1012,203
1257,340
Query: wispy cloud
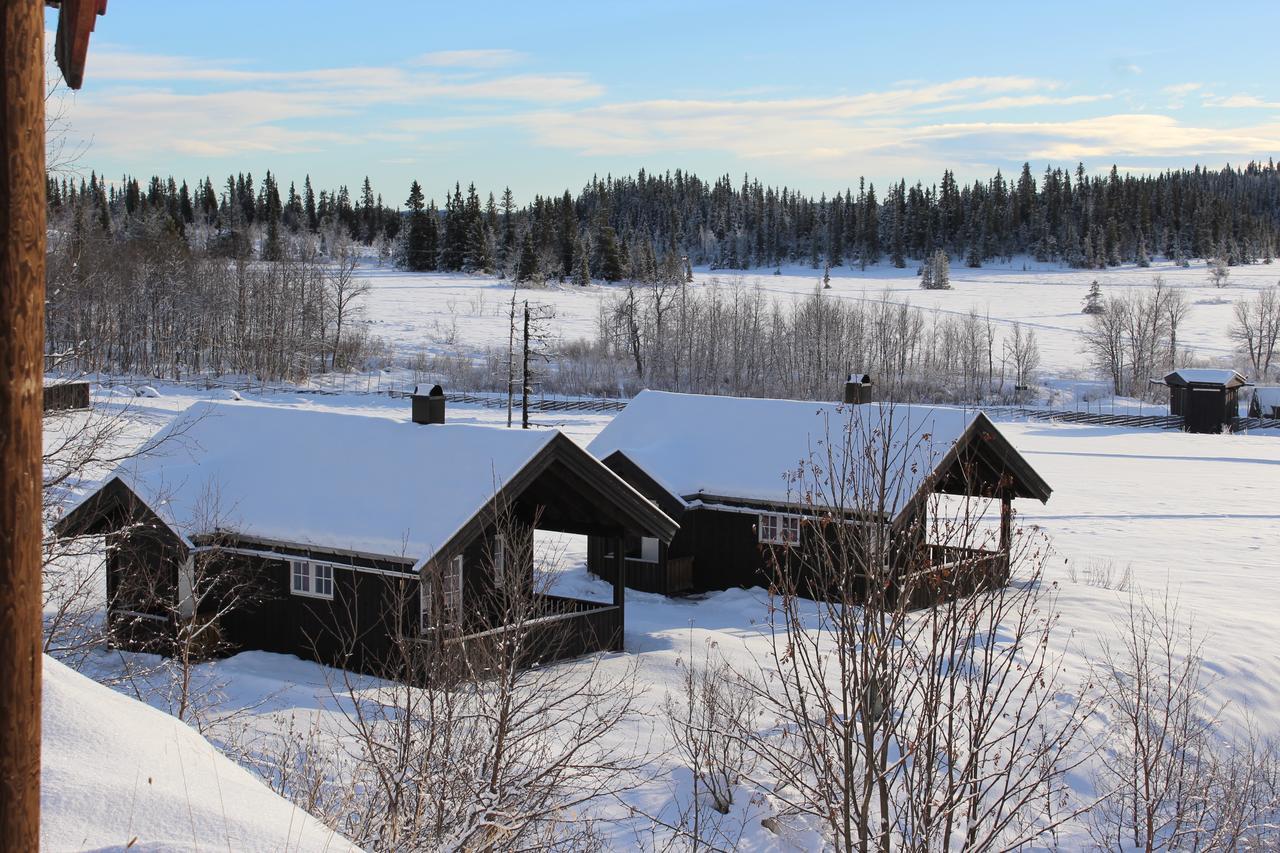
x,y
486,58
1242,102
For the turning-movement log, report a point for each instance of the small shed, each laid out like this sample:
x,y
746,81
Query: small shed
x,y
66,395
857,388
1265,402
1206,398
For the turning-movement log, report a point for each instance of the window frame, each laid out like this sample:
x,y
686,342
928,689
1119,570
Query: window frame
x,y
312,574
778,528
499,560
450,596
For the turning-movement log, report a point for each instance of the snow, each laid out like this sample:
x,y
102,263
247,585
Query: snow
x,y
118,774
338,481
448,313
745,448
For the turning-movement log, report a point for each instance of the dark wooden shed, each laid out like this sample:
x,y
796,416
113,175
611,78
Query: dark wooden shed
x,y
858,388
1206,399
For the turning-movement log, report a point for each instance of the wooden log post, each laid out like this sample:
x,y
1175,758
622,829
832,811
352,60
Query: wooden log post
x,y
1006,534
22,247
620,589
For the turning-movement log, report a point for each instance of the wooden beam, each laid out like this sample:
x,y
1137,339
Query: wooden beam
x,y
22,247
620,589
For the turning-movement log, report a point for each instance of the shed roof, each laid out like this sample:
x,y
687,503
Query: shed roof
x,y
328,480
1204,376
753,449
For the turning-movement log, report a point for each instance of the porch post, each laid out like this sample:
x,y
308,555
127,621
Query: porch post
x,y
620,589
1006,523
1006,534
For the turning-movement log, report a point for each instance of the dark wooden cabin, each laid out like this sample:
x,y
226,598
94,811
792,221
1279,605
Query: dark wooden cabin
x,y
338,534
1206,399
726,469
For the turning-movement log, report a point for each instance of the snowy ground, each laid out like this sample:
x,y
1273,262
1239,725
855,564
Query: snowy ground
x,y
450,313
1197,515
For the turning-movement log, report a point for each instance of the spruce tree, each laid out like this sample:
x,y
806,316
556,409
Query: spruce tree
x,y
418,256
527,267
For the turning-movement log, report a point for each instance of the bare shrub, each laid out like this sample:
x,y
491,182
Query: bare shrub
x,y
1174,781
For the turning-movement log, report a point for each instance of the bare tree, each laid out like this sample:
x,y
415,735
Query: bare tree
x,y
466,746
1218,272
1255,327
916,705
344,291
1022,349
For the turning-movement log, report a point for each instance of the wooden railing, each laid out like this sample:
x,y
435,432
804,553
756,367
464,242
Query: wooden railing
x,y
570,628
948,572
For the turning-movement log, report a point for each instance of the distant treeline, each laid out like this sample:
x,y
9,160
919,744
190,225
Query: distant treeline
x,y
628,227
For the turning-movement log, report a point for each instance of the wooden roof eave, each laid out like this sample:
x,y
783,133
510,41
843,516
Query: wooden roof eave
x,y
83,515
629,501
1027,482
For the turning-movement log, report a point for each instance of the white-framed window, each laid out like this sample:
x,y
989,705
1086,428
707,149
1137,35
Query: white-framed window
x,y
311,579
499,560
777,529
448,597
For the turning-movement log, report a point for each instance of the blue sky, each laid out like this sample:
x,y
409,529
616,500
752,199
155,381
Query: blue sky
x,y
540,96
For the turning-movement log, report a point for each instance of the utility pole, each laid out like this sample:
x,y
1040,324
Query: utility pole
x,y
22,246
524,374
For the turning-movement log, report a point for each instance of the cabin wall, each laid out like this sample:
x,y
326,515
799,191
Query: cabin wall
x,y
354,629
142,587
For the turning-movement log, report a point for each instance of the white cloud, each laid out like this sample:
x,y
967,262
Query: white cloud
x,y
487,58
1242,102
1178,89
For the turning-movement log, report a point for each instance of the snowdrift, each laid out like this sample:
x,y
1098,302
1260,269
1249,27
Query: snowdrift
x,y
116,771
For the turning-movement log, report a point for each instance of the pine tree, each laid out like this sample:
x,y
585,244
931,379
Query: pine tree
x,y
582,271
1093,303
527,268
419,255
609,257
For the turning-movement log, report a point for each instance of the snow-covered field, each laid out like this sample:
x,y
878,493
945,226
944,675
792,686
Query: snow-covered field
x,y
1195,515
448,313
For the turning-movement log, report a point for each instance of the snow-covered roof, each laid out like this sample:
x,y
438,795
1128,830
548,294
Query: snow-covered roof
x,y
328,480
1204,376
750,449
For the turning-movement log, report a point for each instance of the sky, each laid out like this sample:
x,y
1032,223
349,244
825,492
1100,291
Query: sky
x,y
542,96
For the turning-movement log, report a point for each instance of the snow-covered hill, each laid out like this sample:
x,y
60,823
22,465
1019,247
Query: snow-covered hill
x,y
118,774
